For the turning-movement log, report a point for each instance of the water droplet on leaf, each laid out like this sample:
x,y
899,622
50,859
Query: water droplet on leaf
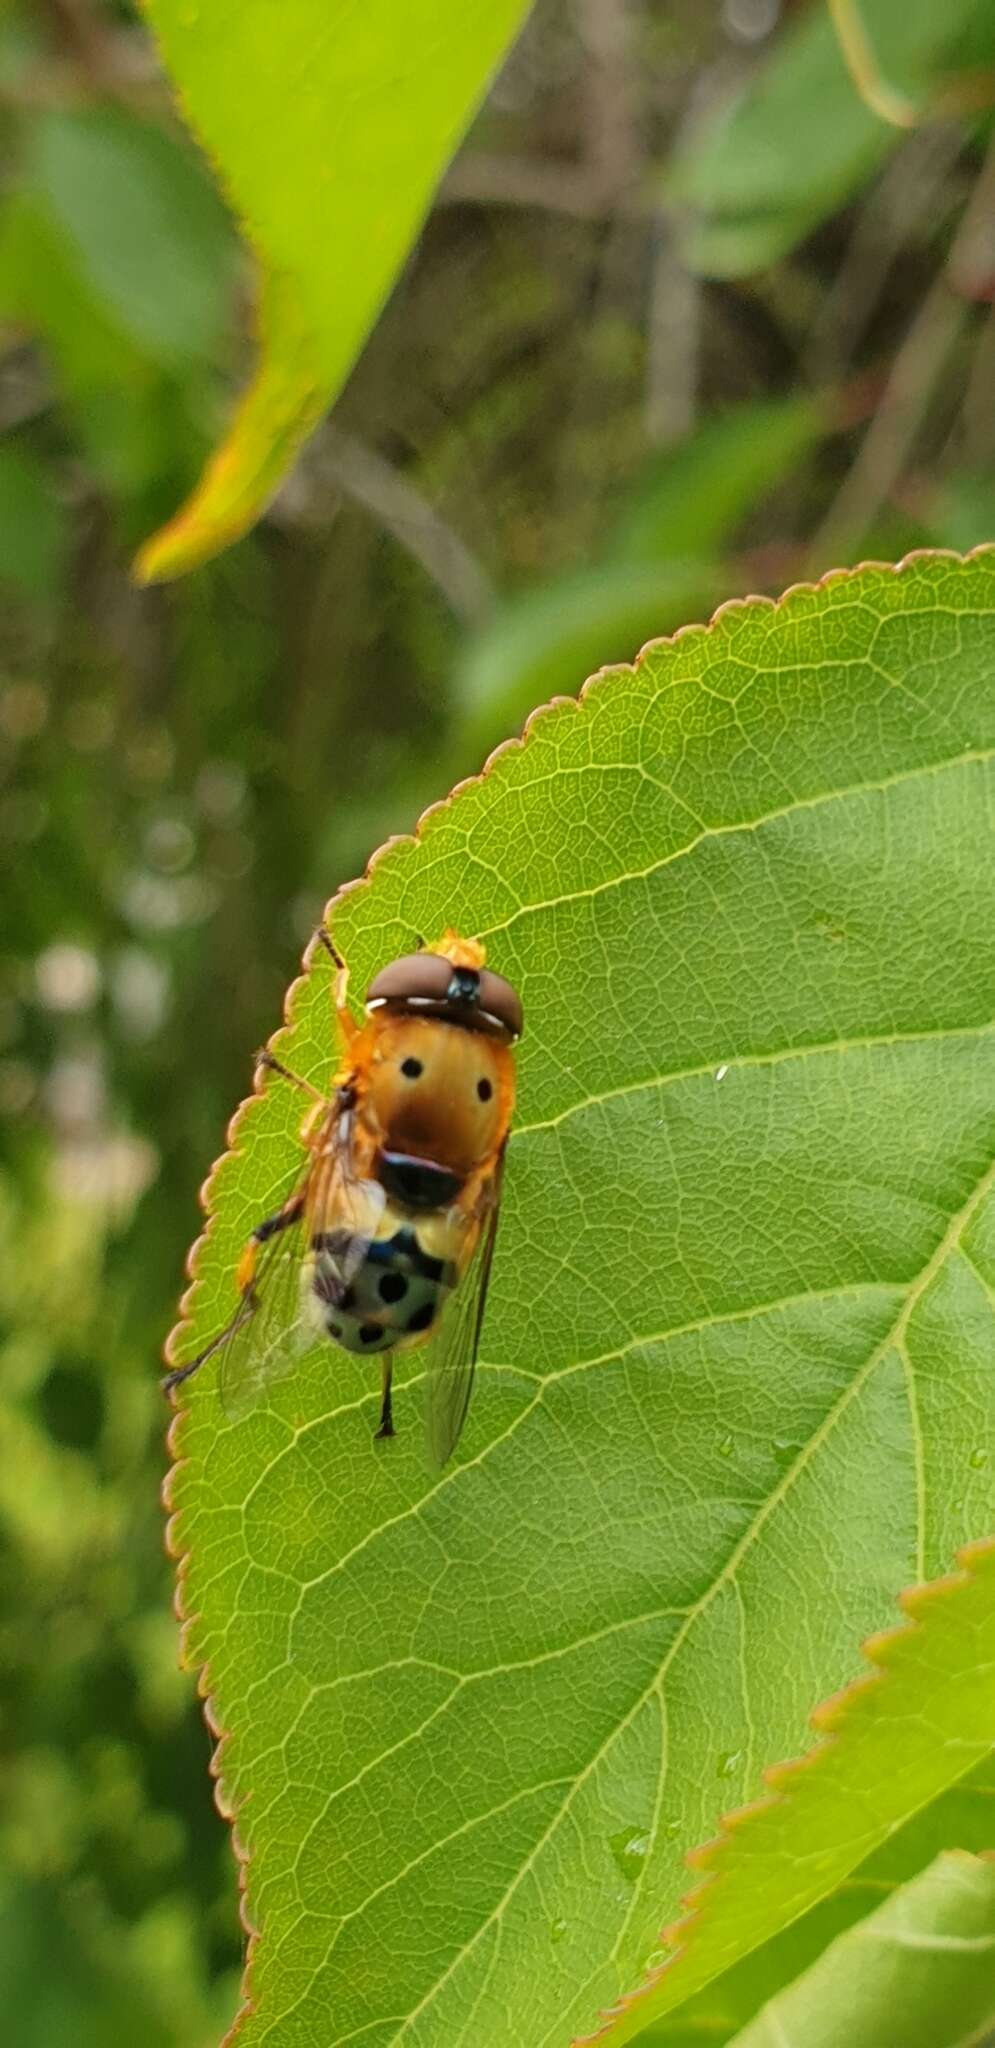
x,y
630,1848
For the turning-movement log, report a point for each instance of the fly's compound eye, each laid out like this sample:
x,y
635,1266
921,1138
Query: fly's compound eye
x,y
429,984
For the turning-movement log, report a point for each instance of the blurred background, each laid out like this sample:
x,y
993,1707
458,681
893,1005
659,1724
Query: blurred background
x,y
688,320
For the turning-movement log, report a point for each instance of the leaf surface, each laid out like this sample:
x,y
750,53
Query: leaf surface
x,y
961,1818
919,1970
736,1387
329,137
148,231
899,1738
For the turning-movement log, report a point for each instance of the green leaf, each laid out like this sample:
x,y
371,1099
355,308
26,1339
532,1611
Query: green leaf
x,y
148,230
692,497
960,1817
41,288
930,1703
539,641
964,513
753,193
32,527
376,105
126,406
919,1971
736,1386
660,568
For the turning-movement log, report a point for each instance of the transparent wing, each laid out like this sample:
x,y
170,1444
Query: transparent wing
x,y
451,1355
279,1319
269,1332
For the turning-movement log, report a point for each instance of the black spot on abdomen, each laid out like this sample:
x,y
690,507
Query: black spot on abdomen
x,y
393,1287
423,1317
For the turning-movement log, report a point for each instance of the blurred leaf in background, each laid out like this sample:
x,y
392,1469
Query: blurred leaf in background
x,y
567,432
917,1969
756,193
32,520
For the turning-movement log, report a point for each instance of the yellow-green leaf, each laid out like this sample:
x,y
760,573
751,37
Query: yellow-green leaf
x,y
921,1970
959,1818
919,1722
329,125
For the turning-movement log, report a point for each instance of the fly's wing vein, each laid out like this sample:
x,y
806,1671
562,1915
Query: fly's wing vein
x,y
452,1351
282,1321
270,1332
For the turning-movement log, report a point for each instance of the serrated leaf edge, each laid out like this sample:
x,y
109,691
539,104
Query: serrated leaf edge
x,y
829,1720
229,1809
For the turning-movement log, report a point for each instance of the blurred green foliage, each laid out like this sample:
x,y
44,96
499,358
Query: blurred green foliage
x,y
579,422
378,103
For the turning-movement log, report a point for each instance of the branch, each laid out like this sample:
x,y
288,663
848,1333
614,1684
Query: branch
x,y
337,461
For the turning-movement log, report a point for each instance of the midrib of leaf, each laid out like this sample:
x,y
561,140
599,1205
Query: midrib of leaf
x,y
894,1337
866,1985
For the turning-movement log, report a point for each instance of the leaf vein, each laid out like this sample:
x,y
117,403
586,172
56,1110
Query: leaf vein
x,y
771,817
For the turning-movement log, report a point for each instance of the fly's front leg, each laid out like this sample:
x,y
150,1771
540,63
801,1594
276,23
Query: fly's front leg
x,y
386,1424
317,1119
245,1280
347,1023
308,1088
268,1059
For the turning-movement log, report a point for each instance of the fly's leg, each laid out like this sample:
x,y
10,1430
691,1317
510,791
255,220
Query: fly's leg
x,y
347,1023
265,1058
386,1424
324,938
249,1302
316,1120
243,1314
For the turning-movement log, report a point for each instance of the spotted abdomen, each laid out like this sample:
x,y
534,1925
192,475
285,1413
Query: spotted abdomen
x,y
391,1299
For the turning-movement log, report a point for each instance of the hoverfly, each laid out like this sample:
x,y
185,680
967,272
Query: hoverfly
x,y
387,1238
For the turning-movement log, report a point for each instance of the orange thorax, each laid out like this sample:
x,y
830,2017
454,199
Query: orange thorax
x,y
434,1090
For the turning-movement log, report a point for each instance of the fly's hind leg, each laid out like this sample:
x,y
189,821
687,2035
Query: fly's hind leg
x,y
249,1299
386,1423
